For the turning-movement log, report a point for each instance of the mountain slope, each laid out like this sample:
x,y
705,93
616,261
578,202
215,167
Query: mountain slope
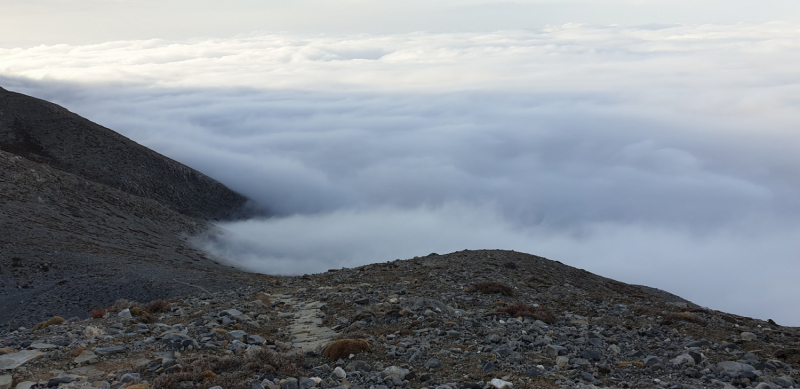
x,y
68,244
47,133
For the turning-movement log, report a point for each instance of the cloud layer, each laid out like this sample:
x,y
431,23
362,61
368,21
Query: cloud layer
x,y
662,156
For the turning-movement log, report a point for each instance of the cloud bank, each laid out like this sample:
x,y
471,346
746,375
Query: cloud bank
x,y
661,156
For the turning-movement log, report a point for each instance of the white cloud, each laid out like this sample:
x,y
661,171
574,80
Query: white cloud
x,y
659,156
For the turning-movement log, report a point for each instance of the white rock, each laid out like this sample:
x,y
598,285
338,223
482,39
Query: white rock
x,y
87,357
42,346
562,361
748,336
93,332
500,384
15,360
339,373
125,313
394,372
25,385
6,381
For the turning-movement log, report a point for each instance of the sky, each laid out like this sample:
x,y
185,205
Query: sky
x,y
651,142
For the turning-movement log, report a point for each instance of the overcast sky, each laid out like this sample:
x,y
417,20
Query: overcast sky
x,y
660,151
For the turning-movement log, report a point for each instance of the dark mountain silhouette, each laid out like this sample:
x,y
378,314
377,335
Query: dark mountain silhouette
x,y
88,216
46,133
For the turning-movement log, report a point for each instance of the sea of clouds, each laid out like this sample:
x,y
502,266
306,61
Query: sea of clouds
x,y
659,155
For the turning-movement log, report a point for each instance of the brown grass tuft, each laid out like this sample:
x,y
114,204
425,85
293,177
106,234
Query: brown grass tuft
x,y
49,322
98,313
342,348
521,309
635,364
157,306
208,375
489,287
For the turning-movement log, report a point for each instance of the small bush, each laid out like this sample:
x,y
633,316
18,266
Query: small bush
x,y
121,304
47,323
521,309
342,348
157,306
231,371
635,364
489,287
98,313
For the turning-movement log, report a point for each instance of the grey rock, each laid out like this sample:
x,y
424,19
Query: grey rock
x,y
339,373
86,357
14,360
56,381
238,334
125,314
735,369
255,339
105,351
433,363
652,360
554,350
683,360
129,377
6,381
178,341
592,355
748,336
289,383
306,383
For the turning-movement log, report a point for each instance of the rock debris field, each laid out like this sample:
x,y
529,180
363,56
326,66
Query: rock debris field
x,y
470,319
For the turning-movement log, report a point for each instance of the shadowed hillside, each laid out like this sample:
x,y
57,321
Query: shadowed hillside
x,y
47,133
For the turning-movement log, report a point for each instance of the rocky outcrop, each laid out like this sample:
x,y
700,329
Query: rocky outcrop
x,y
49,134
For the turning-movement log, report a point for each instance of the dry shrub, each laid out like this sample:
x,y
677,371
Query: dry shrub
x,y
489,287
521,309
342,348
98,313
208,375
121,304
157,306
139,386
231,371
635,364
264,298
791,355
683,316
142,315
49,322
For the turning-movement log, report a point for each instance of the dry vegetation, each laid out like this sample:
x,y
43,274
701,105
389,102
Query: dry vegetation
x,y
342,348
232,371
47,323
489,287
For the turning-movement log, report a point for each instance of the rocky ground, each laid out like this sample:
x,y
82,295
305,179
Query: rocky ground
x,y
471,319
68,244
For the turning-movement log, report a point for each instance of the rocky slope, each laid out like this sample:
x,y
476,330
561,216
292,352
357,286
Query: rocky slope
x,y
68,244
47,133
87,217
471,319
